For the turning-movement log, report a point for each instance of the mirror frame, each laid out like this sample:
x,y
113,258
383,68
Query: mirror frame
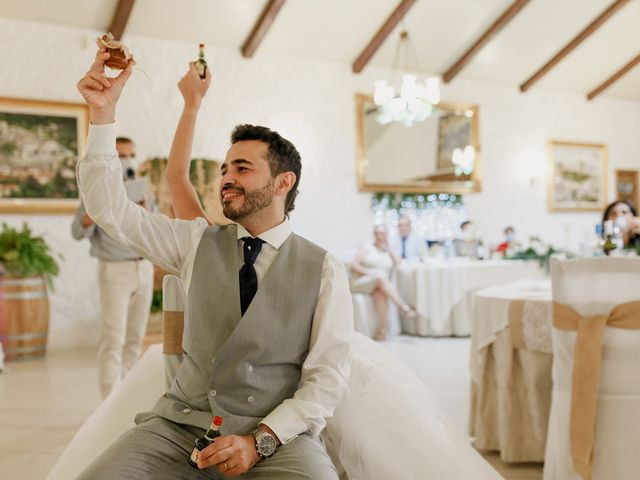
x,y
426,186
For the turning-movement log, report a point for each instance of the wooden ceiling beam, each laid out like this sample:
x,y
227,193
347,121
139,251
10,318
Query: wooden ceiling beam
x,y
261,27
492,31
613,78
583,35
121,17
379,38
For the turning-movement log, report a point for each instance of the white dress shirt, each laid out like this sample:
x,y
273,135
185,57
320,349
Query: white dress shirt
x,y
172,244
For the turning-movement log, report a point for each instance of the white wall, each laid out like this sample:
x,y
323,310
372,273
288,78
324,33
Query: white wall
x,y
312,104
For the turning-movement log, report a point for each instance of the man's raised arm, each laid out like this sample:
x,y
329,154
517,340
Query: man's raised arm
x,y
165,242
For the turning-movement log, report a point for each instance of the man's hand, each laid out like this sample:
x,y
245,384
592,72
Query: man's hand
x,y
86,221
192,87
102,93
231,454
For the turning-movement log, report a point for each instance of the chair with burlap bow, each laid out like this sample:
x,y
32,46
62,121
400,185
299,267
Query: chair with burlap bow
x,y
594,424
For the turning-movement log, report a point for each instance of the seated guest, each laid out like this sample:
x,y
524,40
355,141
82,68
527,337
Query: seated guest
x,y
626,218
465,246
408,244
372,275
467,230
509,239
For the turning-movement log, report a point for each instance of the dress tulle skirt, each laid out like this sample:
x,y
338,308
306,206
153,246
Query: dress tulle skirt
x,y
390,428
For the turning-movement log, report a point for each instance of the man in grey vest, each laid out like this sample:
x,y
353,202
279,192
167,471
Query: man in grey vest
x,y
268,314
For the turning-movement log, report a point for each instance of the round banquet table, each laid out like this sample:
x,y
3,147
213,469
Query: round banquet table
x,y
441,291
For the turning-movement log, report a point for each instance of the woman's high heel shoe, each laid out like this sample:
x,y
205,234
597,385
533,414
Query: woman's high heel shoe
x,y
381,334
409,313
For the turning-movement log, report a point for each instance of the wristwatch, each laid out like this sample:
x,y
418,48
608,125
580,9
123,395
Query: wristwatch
x,y
265,443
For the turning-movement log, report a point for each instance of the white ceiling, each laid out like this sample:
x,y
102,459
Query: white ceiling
x,y
441,30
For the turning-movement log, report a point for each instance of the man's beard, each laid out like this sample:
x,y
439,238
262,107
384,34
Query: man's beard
x,y
252,202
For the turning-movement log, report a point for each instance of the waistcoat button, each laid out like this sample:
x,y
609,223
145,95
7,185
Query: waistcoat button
x,y
250,367
186,410
251,399
212,393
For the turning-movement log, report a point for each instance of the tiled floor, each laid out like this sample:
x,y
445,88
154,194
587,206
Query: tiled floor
x,y
43,402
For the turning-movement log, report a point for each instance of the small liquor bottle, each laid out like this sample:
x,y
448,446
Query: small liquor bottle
x,y
201,63
206,440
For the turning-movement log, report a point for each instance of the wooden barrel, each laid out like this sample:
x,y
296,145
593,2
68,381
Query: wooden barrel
x,y
24,317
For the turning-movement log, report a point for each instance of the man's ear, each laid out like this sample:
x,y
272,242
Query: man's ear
x,y
285,182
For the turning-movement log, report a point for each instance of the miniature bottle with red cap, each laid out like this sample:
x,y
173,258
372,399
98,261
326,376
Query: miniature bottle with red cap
x,y
201,63
206,440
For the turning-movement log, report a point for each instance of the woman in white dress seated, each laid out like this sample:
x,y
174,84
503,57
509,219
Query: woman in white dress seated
x,y
371,275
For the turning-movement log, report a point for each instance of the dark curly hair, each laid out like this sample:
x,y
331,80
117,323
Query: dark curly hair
x,y
282,157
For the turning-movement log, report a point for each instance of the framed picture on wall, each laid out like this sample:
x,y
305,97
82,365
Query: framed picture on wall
x,y
627,186
40,143
578,176
454,130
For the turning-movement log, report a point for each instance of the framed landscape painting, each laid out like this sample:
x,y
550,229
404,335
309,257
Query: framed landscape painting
x,y
578,176
40,143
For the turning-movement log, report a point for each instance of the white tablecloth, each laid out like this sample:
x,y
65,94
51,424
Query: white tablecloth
x,y
442,291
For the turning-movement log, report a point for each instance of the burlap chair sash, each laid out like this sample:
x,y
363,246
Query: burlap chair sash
x,y
172,328
587,357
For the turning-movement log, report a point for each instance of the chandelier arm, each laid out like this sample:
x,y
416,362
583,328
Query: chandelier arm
x,y
397,56
414,51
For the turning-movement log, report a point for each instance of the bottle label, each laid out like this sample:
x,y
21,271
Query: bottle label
x,y
194,455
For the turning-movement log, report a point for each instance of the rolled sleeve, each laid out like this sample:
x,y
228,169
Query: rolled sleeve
x,y
325,372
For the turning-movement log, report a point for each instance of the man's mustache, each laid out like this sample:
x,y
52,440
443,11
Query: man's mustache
x,y
230,187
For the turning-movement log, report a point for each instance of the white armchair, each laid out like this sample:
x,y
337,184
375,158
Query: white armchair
x,y
388,426
596,365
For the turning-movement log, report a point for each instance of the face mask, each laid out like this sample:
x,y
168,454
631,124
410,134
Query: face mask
x,y
128,169
509,238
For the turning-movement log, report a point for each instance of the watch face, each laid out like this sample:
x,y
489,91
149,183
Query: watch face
x,y
266,444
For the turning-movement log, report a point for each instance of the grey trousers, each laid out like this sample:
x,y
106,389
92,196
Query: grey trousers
x,y
158,449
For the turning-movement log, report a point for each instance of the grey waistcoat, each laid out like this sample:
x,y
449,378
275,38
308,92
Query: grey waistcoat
x,y
241,368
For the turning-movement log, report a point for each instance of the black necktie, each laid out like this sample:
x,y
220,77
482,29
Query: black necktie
x,y
248,277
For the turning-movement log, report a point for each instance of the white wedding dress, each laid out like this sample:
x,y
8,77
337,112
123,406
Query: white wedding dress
x,y
391,428
388,428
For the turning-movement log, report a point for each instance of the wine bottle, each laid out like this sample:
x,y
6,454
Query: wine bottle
x,y
204,441
609,240
201,63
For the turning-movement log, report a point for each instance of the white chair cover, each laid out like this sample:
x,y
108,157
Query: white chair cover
x,y
594,286
388,427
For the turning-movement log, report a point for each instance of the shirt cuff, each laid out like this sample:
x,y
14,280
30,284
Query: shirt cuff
x,y
102,139
286,424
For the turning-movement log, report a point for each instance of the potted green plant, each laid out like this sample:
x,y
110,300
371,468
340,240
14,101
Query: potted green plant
x,y
28,267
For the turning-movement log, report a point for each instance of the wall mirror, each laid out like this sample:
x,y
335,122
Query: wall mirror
x,y
428,156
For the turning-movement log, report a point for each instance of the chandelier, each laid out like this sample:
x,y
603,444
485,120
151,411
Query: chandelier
x,y
415,101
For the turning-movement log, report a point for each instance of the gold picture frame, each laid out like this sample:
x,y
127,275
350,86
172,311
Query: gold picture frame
x,y
577,176
442,180
40,144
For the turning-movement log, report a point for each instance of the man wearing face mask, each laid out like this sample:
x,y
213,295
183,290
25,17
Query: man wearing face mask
x,y
126,287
